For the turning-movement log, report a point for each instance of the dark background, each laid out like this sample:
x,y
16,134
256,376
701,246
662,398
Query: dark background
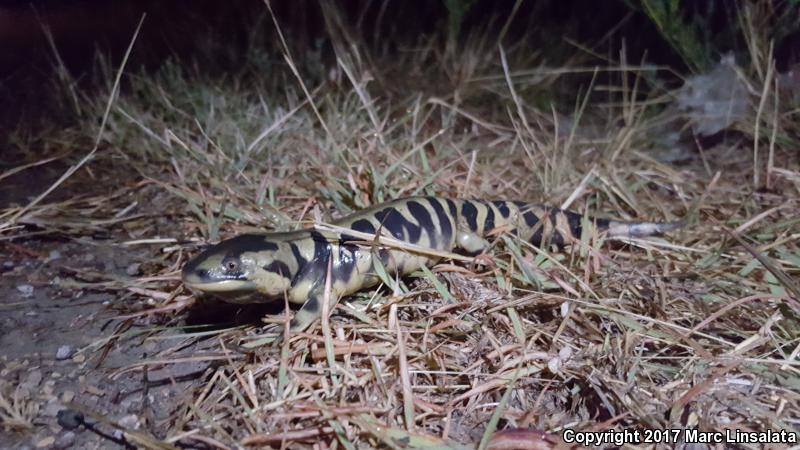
x,y
214,35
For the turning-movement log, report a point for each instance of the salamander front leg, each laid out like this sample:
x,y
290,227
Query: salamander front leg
x,y
305,316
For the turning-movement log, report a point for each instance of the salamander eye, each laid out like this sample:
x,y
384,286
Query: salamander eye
x,y
230,264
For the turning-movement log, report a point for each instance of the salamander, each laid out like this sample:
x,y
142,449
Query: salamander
x,y
295,264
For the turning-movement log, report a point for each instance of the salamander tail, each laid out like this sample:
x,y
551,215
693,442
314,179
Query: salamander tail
x,y
641,229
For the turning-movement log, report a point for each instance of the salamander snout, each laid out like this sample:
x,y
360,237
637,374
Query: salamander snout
x,y
214,272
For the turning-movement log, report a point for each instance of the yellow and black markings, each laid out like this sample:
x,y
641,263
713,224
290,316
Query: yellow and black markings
x,y
296,263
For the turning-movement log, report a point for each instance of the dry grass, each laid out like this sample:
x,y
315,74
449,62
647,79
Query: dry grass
x,y
16,411
696,329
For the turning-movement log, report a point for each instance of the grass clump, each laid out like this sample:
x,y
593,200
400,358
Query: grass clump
x,y
687,38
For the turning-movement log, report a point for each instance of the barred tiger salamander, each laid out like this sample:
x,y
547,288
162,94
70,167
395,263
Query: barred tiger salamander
x,y
295,263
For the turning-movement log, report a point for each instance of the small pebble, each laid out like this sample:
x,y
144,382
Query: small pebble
x,y
67,396
64,352
554,364
26,290
94,390
133,269
66,440
55,254
8,265
693,446
131,422
46,442
79,358
32,379
52,408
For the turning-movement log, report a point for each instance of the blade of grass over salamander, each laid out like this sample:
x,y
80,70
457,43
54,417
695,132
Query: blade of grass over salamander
x,y
392,243
327,301
383,275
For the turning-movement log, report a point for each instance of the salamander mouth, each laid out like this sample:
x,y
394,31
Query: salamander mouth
x,y
231,291
202,280
219,286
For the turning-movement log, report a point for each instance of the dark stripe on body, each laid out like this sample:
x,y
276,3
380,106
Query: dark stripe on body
x,y
531,219
556,237
451,205
247,243
502,208
470,214
321,247
446,223
602,224
393,221
488,224
280,268
345,265
423,218
361,225
574,221
575,226
301,262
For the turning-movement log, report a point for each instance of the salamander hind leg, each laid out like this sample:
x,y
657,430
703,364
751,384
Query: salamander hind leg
x,y
470,243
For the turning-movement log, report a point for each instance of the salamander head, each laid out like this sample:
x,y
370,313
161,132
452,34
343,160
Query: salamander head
x,y
237,268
